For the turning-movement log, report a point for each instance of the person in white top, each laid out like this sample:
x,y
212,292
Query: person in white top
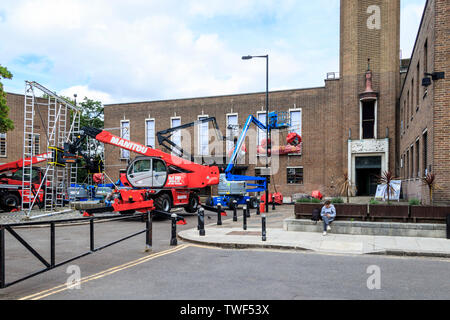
x,y
328,215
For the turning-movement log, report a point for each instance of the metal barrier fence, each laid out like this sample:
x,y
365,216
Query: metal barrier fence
x,y
49,265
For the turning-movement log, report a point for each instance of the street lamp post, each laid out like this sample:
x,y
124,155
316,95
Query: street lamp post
x,y
268,146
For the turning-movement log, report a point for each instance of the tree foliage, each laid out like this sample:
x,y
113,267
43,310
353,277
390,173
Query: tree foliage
x,y
6,124
91,115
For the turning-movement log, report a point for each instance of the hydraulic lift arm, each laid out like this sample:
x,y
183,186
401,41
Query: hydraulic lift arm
x,y
191,175
19,163
165,135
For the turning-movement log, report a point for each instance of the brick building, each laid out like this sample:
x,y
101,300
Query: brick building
x,y
424,124
361,122
344,127
11,143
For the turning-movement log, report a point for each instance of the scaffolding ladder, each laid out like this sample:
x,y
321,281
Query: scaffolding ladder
x,y
55,180
28,146
74,167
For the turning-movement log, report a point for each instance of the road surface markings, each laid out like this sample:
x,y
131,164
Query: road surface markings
x,y
63,287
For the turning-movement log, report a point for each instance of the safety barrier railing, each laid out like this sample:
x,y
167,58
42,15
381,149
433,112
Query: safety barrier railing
x,y
52,264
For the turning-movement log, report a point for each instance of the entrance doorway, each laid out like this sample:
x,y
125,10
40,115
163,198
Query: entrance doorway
x,y
367,171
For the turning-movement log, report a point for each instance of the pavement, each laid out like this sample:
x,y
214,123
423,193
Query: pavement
x,y
231,235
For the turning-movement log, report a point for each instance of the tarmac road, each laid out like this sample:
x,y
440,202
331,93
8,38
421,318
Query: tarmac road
x,y
125,271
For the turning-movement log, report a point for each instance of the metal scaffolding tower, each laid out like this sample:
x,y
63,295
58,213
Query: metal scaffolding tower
x,y
60,129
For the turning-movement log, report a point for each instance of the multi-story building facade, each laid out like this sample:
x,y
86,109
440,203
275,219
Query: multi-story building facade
x,y
424,123
11,143
344,127
376,116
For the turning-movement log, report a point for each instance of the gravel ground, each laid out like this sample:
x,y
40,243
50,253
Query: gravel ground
x,y
60,214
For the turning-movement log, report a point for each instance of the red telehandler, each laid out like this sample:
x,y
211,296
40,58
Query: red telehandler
x,y
158,180
11,182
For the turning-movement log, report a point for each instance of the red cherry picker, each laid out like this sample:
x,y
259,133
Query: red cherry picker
x,y
157,179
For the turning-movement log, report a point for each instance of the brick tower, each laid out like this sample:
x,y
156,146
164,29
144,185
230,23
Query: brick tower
x,y
369,80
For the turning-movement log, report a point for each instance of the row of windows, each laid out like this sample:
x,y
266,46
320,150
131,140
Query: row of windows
x,y
411,103
414,161
203,131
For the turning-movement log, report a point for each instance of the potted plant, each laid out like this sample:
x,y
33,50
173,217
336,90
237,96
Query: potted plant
x,y
386,178
430,181
430,212
345,186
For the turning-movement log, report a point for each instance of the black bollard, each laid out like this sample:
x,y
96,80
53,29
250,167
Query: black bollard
x,y
273,202
244,216
247,201
219,214
263,222
91,229
173,239
448,226
201,221
258,210
234,210
149,233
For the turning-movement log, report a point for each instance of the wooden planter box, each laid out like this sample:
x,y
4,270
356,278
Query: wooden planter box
x,y
386,211
349,210
429,212
343,210
306,209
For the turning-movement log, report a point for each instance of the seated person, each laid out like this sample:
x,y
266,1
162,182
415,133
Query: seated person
x,y
328,214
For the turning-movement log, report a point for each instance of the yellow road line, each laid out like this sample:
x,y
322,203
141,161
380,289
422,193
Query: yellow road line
x,y
63,287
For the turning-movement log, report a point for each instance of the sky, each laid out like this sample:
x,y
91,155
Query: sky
x,y
141,50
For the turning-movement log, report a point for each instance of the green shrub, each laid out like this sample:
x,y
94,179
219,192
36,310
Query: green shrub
x,y
337,200
414,202
306,200
373,201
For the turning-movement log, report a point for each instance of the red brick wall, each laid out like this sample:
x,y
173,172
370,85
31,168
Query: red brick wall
x,y
427,108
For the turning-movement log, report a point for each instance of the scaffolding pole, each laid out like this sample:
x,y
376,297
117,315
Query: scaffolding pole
x,y
59,130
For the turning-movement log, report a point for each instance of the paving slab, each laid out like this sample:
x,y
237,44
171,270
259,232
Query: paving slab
x,y
230,234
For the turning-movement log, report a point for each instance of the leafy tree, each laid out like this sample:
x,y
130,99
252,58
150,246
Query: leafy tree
x,y
91,115
6,124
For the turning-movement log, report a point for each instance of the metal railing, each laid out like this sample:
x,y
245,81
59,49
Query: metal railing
x,y
49,265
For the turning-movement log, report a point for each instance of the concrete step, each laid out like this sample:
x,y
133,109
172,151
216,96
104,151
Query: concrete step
x,y
426,230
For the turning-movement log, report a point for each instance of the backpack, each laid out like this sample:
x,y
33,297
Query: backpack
x,y
315,215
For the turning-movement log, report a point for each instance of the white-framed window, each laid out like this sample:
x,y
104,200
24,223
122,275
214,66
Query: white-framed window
x,y
125,134
150,133
176,136
296,121
294,175
368,119
203,136
261,116
232,130
3,145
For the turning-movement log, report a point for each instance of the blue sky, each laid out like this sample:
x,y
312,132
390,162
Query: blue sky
x,y
116,51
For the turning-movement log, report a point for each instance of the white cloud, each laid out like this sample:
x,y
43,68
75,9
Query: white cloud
x,y
117,51
84,91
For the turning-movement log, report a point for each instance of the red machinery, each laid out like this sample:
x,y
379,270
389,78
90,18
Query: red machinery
x,y
159,180
11,181
293,145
